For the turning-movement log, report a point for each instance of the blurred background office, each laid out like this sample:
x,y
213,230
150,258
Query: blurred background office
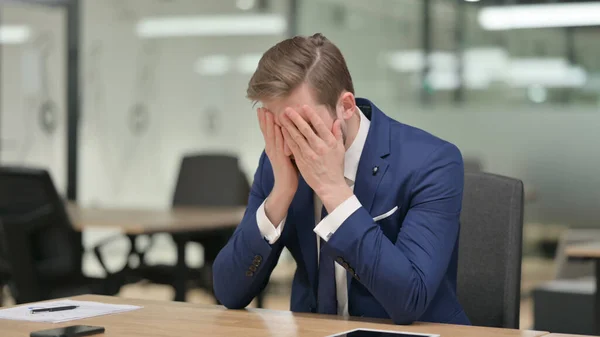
x,y
110,95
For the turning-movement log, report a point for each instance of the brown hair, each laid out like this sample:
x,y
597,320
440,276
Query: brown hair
x,y
291,62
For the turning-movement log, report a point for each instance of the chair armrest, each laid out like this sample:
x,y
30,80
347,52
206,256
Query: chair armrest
x,y
98,254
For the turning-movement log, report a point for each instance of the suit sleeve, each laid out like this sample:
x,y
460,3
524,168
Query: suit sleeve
x,y
404,276
242,268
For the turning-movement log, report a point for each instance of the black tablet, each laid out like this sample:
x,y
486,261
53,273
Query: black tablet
x,y
380,333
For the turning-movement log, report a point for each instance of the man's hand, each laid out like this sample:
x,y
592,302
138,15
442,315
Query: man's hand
x,y
286,176
320,158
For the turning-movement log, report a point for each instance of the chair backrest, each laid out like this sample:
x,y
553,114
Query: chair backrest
x,y
4,265
489,262
43,248
472,164
210,180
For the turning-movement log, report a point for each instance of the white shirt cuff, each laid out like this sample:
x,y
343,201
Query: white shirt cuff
x,y
335,219
266,228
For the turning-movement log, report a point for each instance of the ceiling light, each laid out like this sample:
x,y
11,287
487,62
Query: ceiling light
x,y
539,16
212,25
414,60
14,34
549,72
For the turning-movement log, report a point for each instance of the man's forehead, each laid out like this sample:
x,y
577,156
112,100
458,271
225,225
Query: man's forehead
x,y
278,107
278,111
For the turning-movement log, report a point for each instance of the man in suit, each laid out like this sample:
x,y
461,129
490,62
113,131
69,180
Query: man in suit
x,y
368,207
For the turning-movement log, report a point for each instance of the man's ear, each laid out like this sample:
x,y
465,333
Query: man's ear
x,y
347,105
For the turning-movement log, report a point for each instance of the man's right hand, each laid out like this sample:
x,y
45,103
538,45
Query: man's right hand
x,y
284,171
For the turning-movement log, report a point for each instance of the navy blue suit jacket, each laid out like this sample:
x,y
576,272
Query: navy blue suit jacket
x,y
402,267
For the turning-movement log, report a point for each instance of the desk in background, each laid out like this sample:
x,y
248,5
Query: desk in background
x,y
179,222
589,251
149,221
160,319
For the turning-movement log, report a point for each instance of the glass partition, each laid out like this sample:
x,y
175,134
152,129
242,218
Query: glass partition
x,y
33,88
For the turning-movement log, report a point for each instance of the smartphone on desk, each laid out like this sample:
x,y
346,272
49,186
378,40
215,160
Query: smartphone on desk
x,y
69,331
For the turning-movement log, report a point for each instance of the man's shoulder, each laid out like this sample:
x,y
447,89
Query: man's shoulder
x,y
417,145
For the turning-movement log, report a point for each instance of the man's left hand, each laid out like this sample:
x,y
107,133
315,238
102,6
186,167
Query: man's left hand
x,y
319,156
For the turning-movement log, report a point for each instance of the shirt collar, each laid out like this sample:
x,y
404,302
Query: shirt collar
x,y
352,156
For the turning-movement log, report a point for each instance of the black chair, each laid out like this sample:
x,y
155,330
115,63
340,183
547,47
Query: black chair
x,y
204,180
211,181
44,251
489,262
4,266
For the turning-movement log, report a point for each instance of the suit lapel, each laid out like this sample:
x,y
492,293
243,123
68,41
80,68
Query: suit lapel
x,y
372,166
305,223
367,182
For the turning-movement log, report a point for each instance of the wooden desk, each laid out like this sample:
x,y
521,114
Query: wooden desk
x,y
158,319
589,251
179,222
148,221
584,251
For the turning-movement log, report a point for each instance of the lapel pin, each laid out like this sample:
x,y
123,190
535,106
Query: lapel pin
x,y
375,170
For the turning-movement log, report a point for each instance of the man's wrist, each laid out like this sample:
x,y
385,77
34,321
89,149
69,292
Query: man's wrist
x,y
282,194
334,196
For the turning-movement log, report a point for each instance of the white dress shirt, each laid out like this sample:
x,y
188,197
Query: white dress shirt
x,y
326,227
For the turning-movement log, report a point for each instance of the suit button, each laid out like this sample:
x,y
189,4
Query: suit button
x,y
340,260
256,263
252,268
249,273
258,258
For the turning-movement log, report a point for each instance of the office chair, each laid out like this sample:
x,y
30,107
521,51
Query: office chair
x,y
211,181
44,251
4,267
472,164
489,254
207,180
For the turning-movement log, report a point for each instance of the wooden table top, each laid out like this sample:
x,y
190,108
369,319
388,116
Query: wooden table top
x,y
158,319
145,221
584,250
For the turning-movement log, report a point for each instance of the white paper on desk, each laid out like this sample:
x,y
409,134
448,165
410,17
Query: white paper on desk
x,y
85,310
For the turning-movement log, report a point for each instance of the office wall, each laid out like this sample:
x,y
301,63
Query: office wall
x,y
551,146
32,72
131,158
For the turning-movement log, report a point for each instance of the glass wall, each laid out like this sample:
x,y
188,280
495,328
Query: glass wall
x,y
531,96
163,79
33,88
